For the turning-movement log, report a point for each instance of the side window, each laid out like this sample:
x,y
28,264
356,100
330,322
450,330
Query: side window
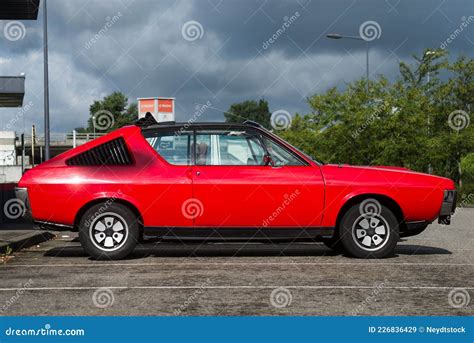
x,y
257,151
174,148
229,148
280,155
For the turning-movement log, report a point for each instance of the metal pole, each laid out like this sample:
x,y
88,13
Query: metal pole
x,y
367,66
339,36
33,134
430,167
46,88
22,153
73,138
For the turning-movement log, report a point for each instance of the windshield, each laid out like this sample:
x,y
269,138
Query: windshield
x,y
298,150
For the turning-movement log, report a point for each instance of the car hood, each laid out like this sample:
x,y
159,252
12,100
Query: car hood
x,y
383,174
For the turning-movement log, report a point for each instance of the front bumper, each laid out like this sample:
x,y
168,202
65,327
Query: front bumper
x,y
448,206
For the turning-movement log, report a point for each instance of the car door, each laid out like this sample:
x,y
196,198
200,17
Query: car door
x,y
237,187
168,181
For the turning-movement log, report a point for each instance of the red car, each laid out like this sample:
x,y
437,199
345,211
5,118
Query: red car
x,y
218,181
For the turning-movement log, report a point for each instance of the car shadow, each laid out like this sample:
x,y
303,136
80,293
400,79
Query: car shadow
x,y
413,249
162,249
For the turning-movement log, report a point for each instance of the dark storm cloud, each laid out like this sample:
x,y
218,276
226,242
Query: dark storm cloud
x,y
248,49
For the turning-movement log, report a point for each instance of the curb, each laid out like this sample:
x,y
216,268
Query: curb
x,y
26,240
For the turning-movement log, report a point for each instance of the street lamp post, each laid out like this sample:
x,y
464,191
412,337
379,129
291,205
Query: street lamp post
x,y
46,88
93,124
339,36
428,53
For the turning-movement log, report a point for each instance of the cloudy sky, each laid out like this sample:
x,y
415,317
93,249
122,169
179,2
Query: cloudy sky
x,y
221,51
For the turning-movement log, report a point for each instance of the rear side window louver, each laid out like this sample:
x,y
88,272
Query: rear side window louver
x,y
111,153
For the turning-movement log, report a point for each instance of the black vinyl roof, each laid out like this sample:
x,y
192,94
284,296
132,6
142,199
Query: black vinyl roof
x,y
19,9
149,122
201,125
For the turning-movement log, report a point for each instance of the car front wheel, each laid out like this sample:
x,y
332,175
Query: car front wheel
x,y
108,231
369,230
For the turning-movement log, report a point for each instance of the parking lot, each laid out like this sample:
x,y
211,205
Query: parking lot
x,y
431,274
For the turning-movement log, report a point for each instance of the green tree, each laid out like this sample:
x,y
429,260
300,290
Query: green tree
x,y
467,177
111,113
467,167
429,64
408,122
249,110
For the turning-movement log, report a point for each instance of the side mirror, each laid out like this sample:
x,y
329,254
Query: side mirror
x,y
267,160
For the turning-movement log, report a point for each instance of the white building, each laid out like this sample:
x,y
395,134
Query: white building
x,y
7,148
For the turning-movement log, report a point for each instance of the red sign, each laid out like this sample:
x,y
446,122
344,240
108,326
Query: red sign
x,y
147,105
165,106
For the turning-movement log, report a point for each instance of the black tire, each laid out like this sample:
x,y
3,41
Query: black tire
x,y
362,233
109,231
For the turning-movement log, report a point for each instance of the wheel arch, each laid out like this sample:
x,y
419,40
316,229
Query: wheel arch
x,y
383,199
91,203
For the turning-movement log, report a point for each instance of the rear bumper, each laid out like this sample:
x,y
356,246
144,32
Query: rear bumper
x,y
448,206
21,195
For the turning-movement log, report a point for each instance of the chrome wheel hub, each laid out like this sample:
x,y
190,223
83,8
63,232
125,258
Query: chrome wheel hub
x,y
108,231
370,232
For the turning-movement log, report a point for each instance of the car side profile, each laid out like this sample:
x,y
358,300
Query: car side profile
x,y
220,181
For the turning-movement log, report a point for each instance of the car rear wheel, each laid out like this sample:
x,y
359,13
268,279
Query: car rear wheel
x,y
369,230
108,231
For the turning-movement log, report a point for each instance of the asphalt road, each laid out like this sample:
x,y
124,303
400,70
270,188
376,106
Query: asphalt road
x,y
431,274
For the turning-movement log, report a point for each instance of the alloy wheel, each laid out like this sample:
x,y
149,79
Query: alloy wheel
x,y
108,231
370,232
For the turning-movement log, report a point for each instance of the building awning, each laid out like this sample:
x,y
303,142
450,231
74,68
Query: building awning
x,y
12,91
19,9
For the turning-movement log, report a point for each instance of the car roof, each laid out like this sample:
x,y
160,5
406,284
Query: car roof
x,y
202,125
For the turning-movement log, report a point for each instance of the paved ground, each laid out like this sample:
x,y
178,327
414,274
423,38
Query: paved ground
x,y
17,239
56,278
